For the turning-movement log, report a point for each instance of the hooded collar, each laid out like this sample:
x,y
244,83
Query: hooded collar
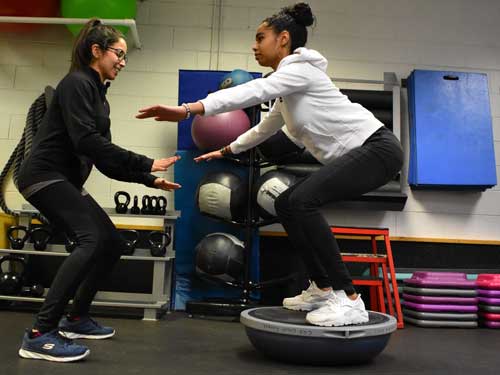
x,y
301,55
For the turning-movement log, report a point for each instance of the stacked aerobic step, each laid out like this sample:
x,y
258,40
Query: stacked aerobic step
x,y
489,299
440,299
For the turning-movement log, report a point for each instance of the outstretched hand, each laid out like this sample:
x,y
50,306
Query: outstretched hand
x,y
209,156
161,183
161,165
163,113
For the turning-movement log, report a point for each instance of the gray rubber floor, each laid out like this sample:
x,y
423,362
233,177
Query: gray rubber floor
x,y
181,345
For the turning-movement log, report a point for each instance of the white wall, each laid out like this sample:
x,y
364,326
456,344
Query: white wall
x,y
361,38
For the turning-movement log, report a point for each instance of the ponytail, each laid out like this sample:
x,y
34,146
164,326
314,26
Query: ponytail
x,y
93,32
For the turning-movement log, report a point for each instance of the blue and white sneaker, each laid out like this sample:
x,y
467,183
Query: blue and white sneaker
x,y
51,346
84,328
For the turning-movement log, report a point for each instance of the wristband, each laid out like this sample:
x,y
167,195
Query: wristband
x,y
226,150
188,110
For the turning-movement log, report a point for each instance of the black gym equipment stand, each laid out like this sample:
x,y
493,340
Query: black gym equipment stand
x,y
231,308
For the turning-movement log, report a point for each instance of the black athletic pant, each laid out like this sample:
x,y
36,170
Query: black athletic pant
x,y
99,248
359,171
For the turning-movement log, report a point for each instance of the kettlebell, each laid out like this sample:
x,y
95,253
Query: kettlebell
x,y
162,205
153,205
40,237
122,207
158,242
135,210
131,237
146,204
71,244
11,280
17,243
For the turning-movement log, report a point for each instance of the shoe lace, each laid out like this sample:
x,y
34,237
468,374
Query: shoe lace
x,y
64,341
92,321
334,301
309,290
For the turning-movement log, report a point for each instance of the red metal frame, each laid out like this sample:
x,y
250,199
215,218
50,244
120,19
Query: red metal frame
x,y
375,262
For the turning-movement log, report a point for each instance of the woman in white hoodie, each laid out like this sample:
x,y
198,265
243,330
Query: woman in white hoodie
x,y
358,154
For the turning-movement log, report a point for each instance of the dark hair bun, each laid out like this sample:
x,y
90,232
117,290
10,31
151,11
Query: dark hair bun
x,y
302,13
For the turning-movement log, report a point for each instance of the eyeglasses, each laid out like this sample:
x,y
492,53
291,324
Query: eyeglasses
x,y
119,53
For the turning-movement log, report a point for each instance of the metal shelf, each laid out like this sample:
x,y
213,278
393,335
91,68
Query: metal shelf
x,y
150,308
160,296
169,256
77,21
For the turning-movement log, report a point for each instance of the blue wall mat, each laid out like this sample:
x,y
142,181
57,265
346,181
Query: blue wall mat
x,y
195,85
191,227
451,136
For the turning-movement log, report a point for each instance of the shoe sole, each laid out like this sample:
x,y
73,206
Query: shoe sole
x,y
299,308
331,323
34,355
308,307
73,335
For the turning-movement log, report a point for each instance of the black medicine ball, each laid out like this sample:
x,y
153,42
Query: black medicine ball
x,y
269,186
223,195
220,256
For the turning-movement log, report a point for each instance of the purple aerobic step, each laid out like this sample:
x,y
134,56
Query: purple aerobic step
x,y
489,301
440,279
488,281
440,300
490,324
429,307
489,293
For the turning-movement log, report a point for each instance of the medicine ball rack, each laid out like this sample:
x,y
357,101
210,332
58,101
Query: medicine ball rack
x,y
158,300
233,307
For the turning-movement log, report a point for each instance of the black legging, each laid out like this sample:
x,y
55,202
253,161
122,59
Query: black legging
x,y
99,248
357,172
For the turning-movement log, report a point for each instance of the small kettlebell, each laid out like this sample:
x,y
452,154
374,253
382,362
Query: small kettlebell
x,y
122,207
135,210
17,243
131,237
158,242
153,208
40,237
11,281
162,205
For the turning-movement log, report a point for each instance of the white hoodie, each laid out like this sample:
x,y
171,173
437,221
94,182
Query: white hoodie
x,y
315,112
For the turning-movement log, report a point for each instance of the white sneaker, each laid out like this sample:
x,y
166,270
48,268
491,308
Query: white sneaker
x,y
308,300
339,310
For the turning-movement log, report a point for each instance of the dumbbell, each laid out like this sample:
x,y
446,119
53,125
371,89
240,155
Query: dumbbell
x,y
40,237
158,243
35,290
11,280
135,210
17,243
71,243
131,237
121,207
